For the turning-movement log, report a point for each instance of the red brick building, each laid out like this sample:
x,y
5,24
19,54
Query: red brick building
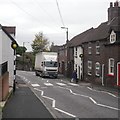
x,y
100,48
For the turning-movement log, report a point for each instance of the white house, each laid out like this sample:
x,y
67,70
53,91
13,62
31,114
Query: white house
x,y
7,35
78,62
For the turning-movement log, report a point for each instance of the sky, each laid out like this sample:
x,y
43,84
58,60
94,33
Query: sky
x,y
48,16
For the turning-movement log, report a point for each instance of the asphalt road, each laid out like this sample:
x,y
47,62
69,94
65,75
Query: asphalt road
x,y
69,100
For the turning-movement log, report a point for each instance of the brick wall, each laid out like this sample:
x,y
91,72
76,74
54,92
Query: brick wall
x,y
4,86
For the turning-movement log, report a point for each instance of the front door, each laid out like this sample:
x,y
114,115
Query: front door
x,y
118,75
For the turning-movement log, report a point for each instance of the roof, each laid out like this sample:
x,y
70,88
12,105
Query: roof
x,y
79,39
95,34
8,31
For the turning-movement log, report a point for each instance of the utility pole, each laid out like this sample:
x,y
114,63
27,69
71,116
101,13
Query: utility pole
x,y
67,59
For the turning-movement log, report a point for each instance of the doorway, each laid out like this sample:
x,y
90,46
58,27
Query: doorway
x,y
118,74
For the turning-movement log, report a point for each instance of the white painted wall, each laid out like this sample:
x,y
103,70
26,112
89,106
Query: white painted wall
x,y
78,61
7,55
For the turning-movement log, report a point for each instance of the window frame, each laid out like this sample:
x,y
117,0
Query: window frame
x,y
89,48
98,48
97,69
89,67
112,37
111,67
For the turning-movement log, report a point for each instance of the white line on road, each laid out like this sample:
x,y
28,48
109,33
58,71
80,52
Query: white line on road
x,y
73,84
35,85
48,84
102,92
61,84
102,105
92,100
53,103
65,112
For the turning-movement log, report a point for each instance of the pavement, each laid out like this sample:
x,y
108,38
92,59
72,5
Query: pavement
x,y
23,103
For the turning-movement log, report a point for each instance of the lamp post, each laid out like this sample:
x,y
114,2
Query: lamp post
x,y
67,59
14,45
66,33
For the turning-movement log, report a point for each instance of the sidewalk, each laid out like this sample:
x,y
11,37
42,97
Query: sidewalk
x,y
24,104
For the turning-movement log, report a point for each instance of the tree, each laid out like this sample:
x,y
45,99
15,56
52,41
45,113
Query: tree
x,y
40,43
20,50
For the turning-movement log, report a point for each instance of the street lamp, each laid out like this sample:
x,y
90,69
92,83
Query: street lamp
x,y
66,33
67,49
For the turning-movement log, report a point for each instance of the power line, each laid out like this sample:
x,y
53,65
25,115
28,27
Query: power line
x,y
28,13
60,13
53,20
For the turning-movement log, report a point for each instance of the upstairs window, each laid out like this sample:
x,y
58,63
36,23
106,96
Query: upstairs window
x,y
89,48
112,37
97,48
75,52
111,66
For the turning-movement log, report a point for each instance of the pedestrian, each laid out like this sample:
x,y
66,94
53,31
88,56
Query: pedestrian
x,y
74,76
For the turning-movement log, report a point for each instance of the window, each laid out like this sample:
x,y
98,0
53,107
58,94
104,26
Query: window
x,y
97,69
111,66
89,48
89,67
97,48
112,37
76,52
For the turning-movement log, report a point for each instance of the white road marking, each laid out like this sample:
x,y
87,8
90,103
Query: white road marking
x,y
107,106
92,100
53,103
61,84
35,85
65,112
102,92
73,84
48,84
102,105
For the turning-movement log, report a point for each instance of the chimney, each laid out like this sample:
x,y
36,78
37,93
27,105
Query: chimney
x,y
113,11
111,4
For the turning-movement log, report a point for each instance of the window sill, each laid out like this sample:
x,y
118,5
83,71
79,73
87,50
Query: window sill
x,y
110,75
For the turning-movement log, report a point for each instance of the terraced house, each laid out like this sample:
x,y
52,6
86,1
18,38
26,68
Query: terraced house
x,y
95,52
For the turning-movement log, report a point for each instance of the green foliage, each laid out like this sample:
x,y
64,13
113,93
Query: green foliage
x,y
40,43
20,50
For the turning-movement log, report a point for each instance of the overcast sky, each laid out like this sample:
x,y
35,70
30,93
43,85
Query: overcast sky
x,y
34,16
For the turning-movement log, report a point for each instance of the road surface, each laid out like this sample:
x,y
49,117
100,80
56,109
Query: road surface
x,y
69,100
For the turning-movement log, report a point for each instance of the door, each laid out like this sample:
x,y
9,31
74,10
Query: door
x,y
118,74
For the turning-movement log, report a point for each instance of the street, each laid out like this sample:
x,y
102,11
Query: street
x,y
68,100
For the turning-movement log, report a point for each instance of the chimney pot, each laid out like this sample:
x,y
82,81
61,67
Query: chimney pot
x,y
111,4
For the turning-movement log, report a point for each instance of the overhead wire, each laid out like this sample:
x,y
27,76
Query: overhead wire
x,y
29,14
60,13
50,16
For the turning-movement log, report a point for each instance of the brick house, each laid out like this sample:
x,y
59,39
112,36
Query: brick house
x,y
7,35
99,47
